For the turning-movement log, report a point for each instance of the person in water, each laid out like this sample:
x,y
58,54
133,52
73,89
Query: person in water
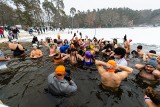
x,y
140,51
59,84
149,55
36,53
88,58
73,56
149,71
119,54
58,56
52,49
127,47
3,60
18,49
107,52
152,97
110,79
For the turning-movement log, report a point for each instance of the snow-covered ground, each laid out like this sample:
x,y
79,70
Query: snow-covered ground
x,y
146,35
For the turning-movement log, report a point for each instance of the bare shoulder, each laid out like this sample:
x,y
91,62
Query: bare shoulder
x,y
101,70
123,74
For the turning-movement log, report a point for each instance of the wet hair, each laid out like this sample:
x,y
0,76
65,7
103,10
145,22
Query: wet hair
x,y
115,41
108,46
134,53
48,40
139,47
34,40
120,51
152,51
66,41
80,34
55,40
154,95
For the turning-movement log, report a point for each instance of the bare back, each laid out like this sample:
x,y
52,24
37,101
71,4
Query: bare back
x,y
110,80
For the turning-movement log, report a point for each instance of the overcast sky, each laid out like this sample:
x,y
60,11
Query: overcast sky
x,y
94,4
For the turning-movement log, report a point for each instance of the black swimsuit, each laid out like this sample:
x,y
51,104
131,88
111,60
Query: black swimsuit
x,y
17,52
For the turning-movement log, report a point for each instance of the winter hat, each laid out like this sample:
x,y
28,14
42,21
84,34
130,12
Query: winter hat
x,y
152,62
113,63
60,70
35,45
15,40
88,54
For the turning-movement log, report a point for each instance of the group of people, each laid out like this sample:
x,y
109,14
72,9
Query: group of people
x,y
12,32
113,69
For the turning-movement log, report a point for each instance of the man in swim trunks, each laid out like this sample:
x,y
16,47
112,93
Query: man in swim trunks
x,y
110,79
36,53
149,71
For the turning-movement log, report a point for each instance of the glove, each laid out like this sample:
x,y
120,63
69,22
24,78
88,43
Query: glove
x,y
68,78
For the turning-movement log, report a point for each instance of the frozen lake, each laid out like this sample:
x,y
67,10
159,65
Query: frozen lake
x,y
146,35
143,35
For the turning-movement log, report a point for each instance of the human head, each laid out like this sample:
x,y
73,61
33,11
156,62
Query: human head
x,y
152,51
60,70
108,47
15,41
48,40
34,46
125,37
55,40
119,52
51,44
134,53
151,65
76,38
73,51
65,41
139,48
114,41
88,54
58,36
154,95
152,62
113,63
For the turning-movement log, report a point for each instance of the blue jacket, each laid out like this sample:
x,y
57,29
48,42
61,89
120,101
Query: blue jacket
x,y
64,48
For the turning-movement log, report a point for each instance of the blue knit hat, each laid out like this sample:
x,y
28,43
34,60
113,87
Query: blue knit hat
x,y
152,62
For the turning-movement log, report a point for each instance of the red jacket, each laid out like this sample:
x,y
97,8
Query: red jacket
x,y
1,31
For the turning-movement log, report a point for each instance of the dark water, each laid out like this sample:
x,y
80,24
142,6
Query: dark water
x,y
23,84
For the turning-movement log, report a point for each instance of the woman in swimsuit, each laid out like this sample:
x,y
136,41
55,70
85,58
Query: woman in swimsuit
x,y
18,50
73,56
88,58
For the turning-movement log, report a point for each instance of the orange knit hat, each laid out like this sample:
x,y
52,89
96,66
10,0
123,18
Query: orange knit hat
x,y
60,70
113,63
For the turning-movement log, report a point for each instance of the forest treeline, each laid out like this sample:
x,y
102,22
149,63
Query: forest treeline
x,y
51,13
